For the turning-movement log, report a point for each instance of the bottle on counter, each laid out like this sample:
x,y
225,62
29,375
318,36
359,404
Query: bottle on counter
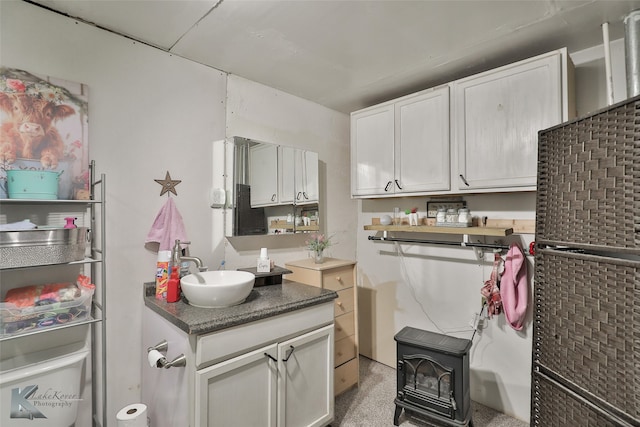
x,y
162,274
173,286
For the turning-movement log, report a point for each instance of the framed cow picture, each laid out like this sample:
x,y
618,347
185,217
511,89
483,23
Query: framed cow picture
x,y
43,127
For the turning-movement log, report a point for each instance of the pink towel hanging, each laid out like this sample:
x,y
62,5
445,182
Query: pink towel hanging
x,y
167,227
514,287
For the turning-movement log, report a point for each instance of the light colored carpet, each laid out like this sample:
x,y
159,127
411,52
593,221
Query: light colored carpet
x,y
372,405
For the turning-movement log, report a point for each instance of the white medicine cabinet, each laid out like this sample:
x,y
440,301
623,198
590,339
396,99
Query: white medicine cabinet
x,y
269,188
477,134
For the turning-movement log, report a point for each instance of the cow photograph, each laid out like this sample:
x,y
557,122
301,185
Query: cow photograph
x,y
43,127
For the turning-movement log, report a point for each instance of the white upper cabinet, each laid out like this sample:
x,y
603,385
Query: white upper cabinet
x,y
422,142
486,140
372,141
497,118
402,147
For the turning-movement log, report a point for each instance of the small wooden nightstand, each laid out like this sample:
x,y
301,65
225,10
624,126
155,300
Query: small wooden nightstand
x,y
340,276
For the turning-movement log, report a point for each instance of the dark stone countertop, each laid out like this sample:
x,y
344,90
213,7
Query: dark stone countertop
x,y
262,302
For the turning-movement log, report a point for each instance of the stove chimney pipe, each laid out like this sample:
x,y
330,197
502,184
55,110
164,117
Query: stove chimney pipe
x,y
632,52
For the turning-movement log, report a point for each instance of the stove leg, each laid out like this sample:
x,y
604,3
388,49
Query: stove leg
x,y
396,416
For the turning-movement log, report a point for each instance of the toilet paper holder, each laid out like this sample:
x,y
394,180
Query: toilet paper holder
x,y
162,362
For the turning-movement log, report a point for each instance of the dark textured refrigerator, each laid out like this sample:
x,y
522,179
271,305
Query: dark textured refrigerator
x,y
586,339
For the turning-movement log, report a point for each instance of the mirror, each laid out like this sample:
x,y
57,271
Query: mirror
x,y
274,189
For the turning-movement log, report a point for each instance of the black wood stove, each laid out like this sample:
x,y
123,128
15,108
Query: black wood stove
x,y
433,378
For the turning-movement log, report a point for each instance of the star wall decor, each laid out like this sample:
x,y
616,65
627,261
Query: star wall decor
x,y
168,184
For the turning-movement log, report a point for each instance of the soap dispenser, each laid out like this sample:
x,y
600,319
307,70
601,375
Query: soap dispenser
x,y
264,264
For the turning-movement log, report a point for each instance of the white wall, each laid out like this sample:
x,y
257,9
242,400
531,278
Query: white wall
x,y
151,112
438,288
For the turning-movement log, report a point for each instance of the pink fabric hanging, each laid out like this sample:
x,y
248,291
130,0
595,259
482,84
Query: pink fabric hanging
x,y
514,287
490,290
167,227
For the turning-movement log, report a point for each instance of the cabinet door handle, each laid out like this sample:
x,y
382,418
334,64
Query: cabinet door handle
x,y
298,195
386,188
271,357
464,180
398,185
273,198
305,195
289,353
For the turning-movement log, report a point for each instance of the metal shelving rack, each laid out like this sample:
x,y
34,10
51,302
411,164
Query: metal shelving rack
x,y
97,319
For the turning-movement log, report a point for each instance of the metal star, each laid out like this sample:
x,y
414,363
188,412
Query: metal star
x,y
168,184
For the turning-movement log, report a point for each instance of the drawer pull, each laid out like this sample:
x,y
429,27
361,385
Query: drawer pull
x,y
339,303
339,329
339,279
339,354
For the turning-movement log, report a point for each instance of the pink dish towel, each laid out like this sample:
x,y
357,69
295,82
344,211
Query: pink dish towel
x,y
514,288
167,227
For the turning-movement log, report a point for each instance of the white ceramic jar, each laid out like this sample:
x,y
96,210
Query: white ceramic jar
x,y
464,216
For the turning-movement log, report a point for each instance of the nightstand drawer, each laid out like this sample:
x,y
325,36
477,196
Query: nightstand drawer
x,y
338,278
344,326
345,376
345,302
345,350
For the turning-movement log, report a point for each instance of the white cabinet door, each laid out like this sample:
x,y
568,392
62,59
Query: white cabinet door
x,y
263,178
372,140
238,392
498,115
422,142
306,177
305,380
287,175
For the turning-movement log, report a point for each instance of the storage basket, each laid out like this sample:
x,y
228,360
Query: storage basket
x,y
32,184
28,248
589,180
587,323
16,320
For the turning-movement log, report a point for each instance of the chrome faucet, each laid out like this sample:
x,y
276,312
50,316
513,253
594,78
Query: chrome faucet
x,y
177,257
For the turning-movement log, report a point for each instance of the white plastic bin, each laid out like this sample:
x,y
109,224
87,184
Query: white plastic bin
x,y
46,393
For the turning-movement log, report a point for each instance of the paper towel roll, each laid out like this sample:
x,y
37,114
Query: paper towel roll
x,y
134,415
154,357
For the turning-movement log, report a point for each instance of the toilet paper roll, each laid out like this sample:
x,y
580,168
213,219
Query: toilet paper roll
x,y
134,415
154,357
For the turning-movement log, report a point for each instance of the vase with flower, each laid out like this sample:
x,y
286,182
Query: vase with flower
x,y
317,243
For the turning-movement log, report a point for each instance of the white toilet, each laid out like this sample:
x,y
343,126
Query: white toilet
x,y
42,388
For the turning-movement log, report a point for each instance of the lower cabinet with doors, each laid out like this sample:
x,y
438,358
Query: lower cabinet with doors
x,y
339,276
272,372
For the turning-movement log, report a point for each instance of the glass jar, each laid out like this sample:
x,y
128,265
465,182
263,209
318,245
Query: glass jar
x,y
464,216
441,216
452,216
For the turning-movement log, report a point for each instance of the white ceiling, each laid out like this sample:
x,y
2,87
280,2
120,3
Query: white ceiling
x,y
350,54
